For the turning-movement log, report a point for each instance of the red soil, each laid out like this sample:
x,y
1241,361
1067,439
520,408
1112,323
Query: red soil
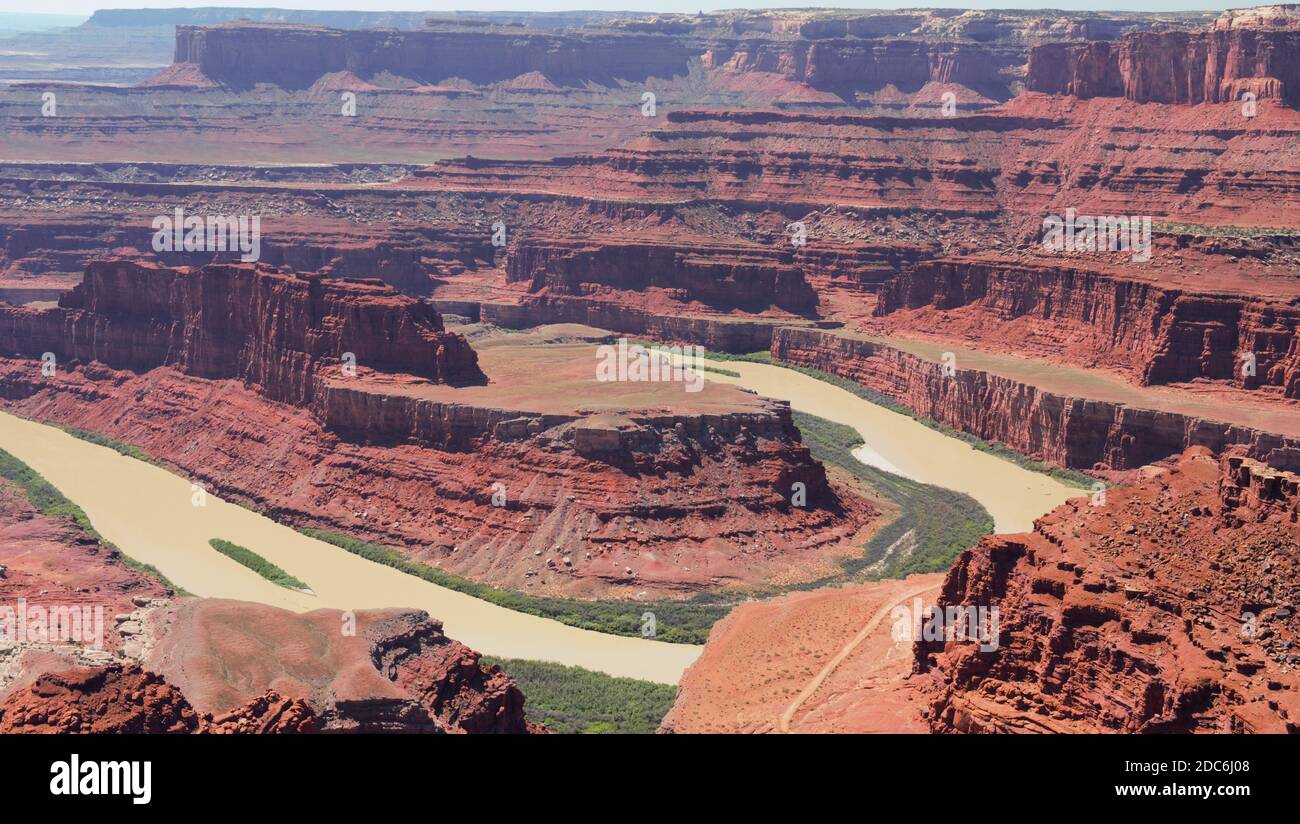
x,y
1168,607
369,671
51,562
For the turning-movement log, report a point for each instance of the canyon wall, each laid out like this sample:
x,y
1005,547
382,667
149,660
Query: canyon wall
x,y
241,55
749,278
851,64
409,259
1154,333
1067,431
1166,608
269,330
1174,67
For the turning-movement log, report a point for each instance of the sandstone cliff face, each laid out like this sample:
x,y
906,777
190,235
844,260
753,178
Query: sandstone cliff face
x,y
1174,67
240,55
716,333
408,258
852,64
723,278
1068,431
1170,607
270,330
1155,334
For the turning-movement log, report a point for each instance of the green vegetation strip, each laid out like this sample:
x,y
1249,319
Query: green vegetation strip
x,y
577,700
677,622
48,500
1069,477
257,563
103,440
943,522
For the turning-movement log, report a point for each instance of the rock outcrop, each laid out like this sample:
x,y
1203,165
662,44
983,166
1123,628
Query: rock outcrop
x,y
368,671
1162,606
394,671
121,699
1168,607
272,331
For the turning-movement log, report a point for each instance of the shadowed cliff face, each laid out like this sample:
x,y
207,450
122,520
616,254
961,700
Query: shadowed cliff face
x,y
840,55
1061,429
294,57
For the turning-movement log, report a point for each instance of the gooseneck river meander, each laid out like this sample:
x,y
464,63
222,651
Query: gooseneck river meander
x,y
148,512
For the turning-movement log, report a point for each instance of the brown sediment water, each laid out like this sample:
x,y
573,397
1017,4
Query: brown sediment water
x,y
150,514
1013,495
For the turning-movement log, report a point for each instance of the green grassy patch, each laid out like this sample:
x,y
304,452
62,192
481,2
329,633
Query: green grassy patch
x,y
577,700
943,522
257,563
731,373
120,447
677,622
48,500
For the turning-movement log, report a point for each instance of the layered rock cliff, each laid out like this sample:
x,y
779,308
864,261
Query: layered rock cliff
x,y
1174,67
851,64
269,330
1168,607
1068,431
1157,334
240,55
750,278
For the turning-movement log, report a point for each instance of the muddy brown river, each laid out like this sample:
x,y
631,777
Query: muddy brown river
x,y
150,513
1014,496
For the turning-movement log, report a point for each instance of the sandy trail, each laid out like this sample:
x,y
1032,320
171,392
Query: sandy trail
x,y
148,512
896,443
845,652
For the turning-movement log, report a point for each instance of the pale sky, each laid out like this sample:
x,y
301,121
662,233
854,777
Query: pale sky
x,y
85,7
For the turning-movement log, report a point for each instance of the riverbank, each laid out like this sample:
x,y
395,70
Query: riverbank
x,y
152,514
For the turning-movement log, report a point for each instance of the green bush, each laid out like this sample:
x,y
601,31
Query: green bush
x,y
257,563
577,700
120,447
